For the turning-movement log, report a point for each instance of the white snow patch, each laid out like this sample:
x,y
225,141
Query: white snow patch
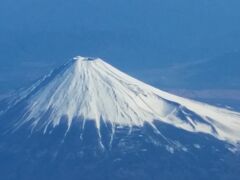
x,y
197,146
170,149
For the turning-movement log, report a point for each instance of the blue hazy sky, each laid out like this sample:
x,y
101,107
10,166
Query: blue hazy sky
x,y
169,43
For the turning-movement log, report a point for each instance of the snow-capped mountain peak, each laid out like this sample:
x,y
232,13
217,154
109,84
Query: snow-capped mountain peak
x,y
92,90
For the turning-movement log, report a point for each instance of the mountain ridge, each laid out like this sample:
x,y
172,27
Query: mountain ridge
x,y
91,89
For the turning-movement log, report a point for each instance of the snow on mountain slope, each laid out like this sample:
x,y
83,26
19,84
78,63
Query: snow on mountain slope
x,y
91,89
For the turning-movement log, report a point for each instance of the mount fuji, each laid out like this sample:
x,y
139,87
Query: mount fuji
x,y
88,120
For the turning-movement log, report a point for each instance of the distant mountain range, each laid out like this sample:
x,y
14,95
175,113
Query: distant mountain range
x,y
220,72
